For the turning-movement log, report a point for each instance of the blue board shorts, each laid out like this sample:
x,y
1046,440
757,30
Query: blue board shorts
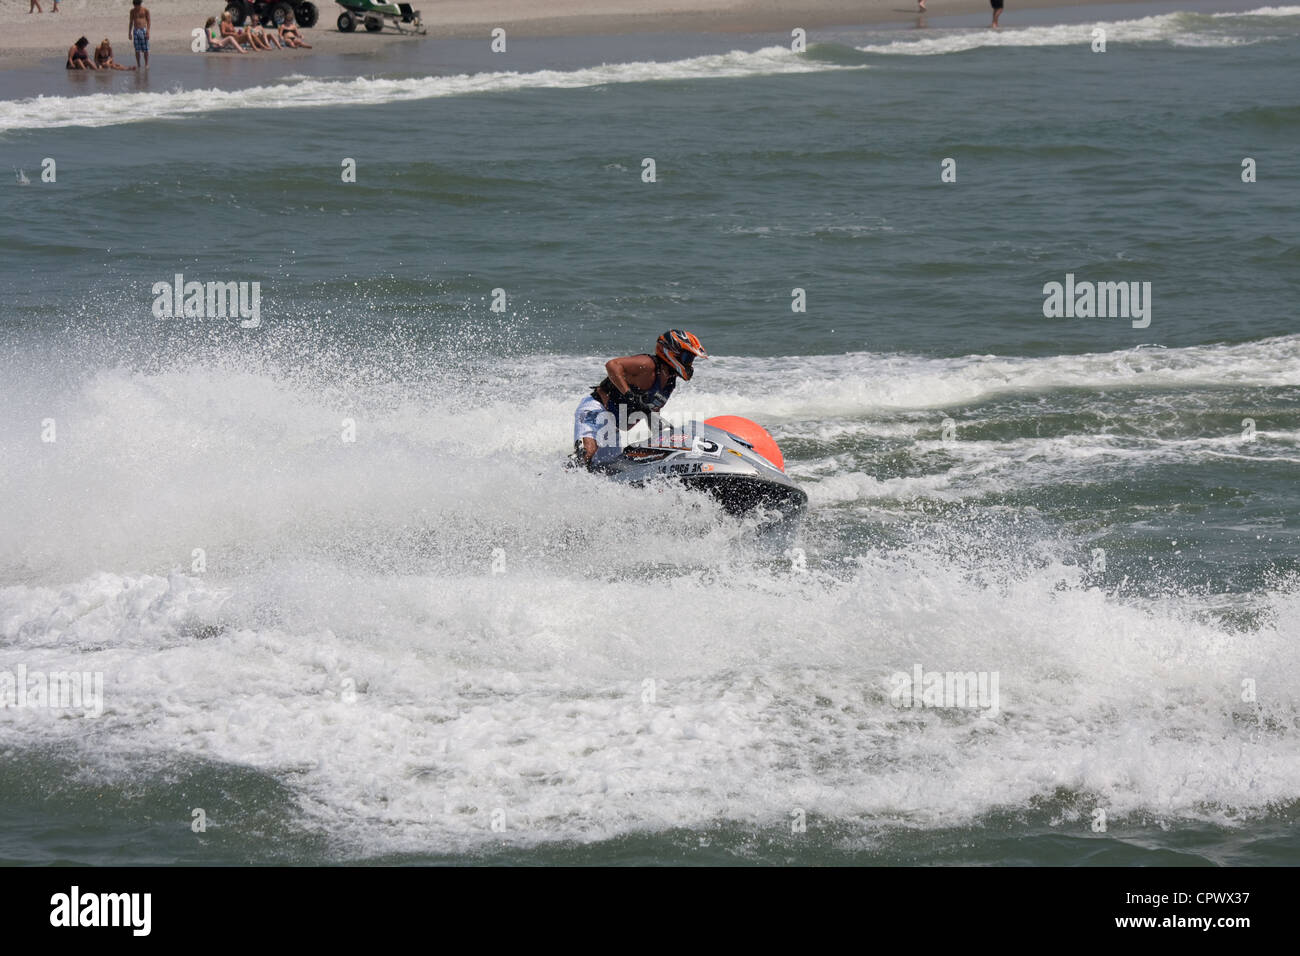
x,y
141,37
592,421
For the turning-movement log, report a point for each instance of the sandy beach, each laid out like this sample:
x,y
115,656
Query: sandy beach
x,y
31,40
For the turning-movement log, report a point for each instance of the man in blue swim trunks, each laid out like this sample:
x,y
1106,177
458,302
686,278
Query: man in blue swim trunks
x,y
137,29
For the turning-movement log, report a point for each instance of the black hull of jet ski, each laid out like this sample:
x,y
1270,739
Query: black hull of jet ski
x,y
740,495
712,460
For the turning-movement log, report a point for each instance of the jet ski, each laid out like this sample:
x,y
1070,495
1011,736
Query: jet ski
x,y
731,458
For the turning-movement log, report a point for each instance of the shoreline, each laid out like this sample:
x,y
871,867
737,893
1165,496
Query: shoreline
x,y
37,42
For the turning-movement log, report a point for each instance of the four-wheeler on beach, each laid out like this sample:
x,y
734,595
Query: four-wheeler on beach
x,y
403,18
273,12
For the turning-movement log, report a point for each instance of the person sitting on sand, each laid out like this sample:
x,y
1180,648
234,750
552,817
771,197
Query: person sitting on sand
x,y
216,41
259,35
241,33
272,37
78,58
104,57
228,29
290,35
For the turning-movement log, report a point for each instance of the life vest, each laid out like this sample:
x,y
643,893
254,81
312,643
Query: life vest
x,y
654,398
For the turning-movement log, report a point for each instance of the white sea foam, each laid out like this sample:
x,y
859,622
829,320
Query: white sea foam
x,y
974,469
170,454
846,386
44,112
1261,12
624,672
554,700
1176,29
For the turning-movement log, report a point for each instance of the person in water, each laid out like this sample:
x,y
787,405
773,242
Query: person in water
x,y
78,58
633,383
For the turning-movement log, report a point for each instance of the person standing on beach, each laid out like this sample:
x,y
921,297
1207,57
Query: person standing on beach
x,y
997,12
137,30
35,5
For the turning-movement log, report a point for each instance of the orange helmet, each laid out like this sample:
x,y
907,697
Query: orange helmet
x,y
679,350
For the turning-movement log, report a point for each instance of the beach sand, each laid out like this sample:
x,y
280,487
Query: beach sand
x,y
41,40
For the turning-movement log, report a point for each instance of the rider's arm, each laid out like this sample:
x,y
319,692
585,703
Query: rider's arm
x,y
619,369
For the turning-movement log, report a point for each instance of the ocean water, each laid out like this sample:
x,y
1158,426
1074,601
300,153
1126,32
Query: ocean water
x,y
431,644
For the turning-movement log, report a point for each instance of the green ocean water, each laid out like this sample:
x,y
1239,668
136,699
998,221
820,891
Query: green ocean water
x,y
434,645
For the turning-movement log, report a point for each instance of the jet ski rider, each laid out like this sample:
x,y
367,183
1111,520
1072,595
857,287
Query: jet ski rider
x,y
633,383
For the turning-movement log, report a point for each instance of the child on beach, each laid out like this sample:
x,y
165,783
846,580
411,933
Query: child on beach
x,y
78,58
104,57
137,29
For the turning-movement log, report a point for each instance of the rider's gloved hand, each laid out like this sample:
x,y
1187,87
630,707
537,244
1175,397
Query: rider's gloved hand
x,y
636,401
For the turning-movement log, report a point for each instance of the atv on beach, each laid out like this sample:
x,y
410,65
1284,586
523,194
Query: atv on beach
x,y
273,12
403,18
